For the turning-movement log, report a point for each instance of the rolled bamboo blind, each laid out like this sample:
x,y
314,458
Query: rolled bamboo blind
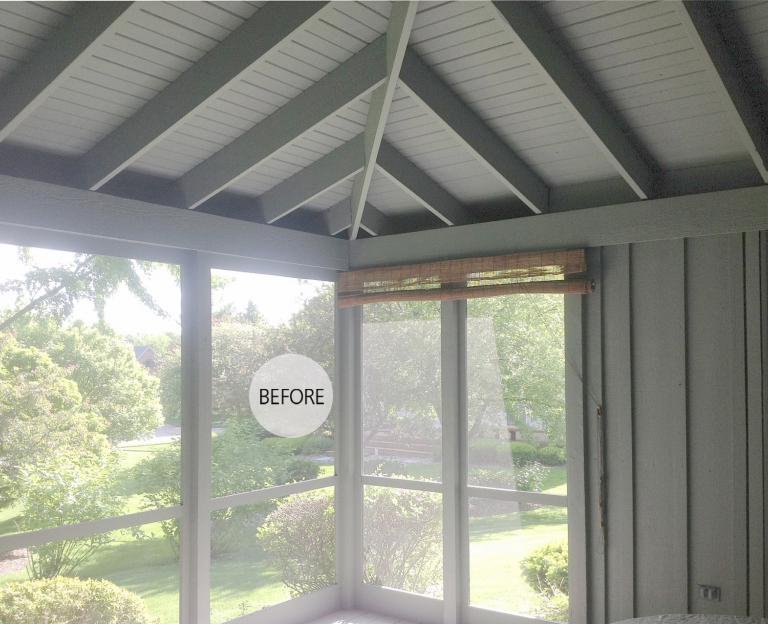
x,y
468,278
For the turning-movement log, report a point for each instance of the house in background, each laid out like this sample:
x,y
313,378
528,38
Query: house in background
x,y
146,356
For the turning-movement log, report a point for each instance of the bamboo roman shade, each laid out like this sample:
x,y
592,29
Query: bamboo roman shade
x,y
467,278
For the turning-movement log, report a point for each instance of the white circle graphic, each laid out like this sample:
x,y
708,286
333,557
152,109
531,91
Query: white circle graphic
x,y
291,395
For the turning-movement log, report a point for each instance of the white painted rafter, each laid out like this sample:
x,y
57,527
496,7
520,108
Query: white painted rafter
x,y
726,78
559,72
58,58
427,88
351,80
193,90
322,175
418,185
398,33
339,218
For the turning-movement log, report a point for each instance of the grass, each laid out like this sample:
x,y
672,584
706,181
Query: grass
x,y
246,581
498,544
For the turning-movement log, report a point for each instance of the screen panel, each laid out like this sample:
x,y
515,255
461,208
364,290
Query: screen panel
x,y
90,387
401,420
256,318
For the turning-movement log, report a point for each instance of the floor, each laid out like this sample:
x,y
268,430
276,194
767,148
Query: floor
x,y
358,617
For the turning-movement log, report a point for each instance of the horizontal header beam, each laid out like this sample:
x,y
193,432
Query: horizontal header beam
x,y
54,208
705,214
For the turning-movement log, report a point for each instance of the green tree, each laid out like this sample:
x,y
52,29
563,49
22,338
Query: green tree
x,y
526,335
41,414
52,292
110,381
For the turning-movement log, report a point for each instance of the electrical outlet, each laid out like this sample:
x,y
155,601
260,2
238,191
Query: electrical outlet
x,y
710,592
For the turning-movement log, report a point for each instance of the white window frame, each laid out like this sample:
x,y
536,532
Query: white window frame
x,y
194,513
454,608
197,502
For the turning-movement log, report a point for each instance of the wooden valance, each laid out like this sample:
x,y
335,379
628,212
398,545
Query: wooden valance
x,y
468,278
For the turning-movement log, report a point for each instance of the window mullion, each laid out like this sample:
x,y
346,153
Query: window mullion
x,y
453,391
349,491
196,439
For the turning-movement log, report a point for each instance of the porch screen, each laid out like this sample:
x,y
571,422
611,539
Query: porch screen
x,y
468,278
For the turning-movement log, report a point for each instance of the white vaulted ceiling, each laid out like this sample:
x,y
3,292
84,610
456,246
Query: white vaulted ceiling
x,y
370,118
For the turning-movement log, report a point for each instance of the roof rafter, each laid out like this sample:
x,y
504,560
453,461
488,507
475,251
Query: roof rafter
x,y
62,55
546,56
723,68
204,81
322,175
339,218
352,79
398,33
416,183
473,133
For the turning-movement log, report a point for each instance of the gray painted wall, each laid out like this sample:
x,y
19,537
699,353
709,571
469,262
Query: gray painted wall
x,y
674,348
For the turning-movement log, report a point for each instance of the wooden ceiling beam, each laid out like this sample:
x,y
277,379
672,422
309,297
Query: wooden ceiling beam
x,y
61,56
726,77
427,88
561,75
194,89
351,80
398,33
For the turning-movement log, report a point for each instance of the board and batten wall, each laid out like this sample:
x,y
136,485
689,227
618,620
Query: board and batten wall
x,y
673,361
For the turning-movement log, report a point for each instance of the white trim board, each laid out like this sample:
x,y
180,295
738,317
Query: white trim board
x,y
57,208
704,214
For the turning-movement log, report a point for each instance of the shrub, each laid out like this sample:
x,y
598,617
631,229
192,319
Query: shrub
x,y
241,462
546,569
522,452
301,470
554,608
384,467
66,600
402,539
317,445
551,455
528,477
299,535
67,489
488,451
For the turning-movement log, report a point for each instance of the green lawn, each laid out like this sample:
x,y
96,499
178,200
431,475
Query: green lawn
x,y
498,543
245,581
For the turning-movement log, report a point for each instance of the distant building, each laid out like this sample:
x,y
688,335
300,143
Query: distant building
x,y
146,356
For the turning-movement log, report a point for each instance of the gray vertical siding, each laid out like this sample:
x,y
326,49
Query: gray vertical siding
x,y
679,328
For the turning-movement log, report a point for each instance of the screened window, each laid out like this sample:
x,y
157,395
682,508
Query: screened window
x,y
90,428
402,442
516,475
267,547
